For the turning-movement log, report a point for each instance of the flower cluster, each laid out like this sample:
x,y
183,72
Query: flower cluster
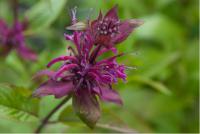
x,y
82,75
13,38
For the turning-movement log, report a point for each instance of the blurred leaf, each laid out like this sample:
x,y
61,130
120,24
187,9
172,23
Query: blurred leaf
x,y
44,13
4,10
15,71
155,85
160,28
15,114
15,126
109,122
15,102
158,64
68,115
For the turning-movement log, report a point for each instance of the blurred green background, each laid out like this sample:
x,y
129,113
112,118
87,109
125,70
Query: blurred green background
x,y
161,94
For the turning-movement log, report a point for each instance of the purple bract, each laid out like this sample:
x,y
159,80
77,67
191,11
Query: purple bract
x,y
109,30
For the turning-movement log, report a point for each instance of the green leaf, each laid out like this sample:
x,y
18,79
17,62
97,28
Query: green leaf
x,y
158,23
15,103
159,64
15,114
44,13
5,10
154,84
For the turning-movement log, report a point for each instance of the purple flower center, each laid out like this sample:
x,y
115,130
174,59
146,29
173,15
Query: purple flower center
x,y
80,74
108,26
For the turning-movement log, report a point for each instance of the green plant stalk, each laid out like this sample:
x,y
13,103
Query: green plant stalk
x,y
46,119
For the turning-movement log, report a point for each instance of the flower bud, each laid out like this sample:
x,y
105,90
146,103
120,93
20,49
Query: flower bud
x,y
77,26
86,107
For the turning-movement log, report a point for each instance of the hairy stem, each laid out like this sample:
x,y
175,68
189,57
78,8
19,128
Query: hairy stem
x,y
46,119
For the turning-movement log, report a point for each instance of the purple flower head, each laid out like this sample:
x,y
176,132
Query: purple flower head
x,y
109,30
81,74
13,38
84,77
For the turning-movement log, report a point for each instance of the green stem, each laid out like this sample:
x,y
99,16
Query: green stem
x,y
46,119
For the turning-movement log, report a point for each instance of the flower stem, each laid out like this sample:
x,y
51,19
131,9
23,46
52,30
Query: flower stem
x,y
46,119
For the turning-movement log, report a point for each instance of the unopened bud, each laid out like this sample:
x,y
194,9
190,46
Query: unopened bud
x,y
79,26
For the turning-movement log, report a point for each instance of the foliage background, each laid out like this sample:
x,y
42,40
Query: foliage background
x,y
161,94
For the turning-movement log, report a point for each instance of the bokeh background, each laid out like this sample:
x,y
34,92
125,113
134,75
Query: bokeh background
x,y
161,93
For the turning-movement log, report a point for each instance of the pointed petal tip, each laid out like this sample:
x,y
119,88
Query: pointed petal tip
x,y
120,103
112,13
115,7
136,22
100,15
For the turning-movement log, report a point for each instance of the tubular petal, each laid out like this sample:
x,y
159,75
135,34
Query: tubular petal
x,y
61,58
65,68
109,59
104,50
46,72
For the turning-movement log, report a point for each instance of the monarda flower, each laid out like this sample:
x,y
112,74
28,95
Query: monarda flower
x,y
108,30
82,75
13,38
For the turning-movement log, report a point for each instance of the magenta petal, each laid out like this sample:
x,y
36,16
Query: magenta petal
x,y
111,59
112,13
104,50
61,58
65,68
4,30
48,73
110,95
51,87
69,37
120,72
3,27
125,30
